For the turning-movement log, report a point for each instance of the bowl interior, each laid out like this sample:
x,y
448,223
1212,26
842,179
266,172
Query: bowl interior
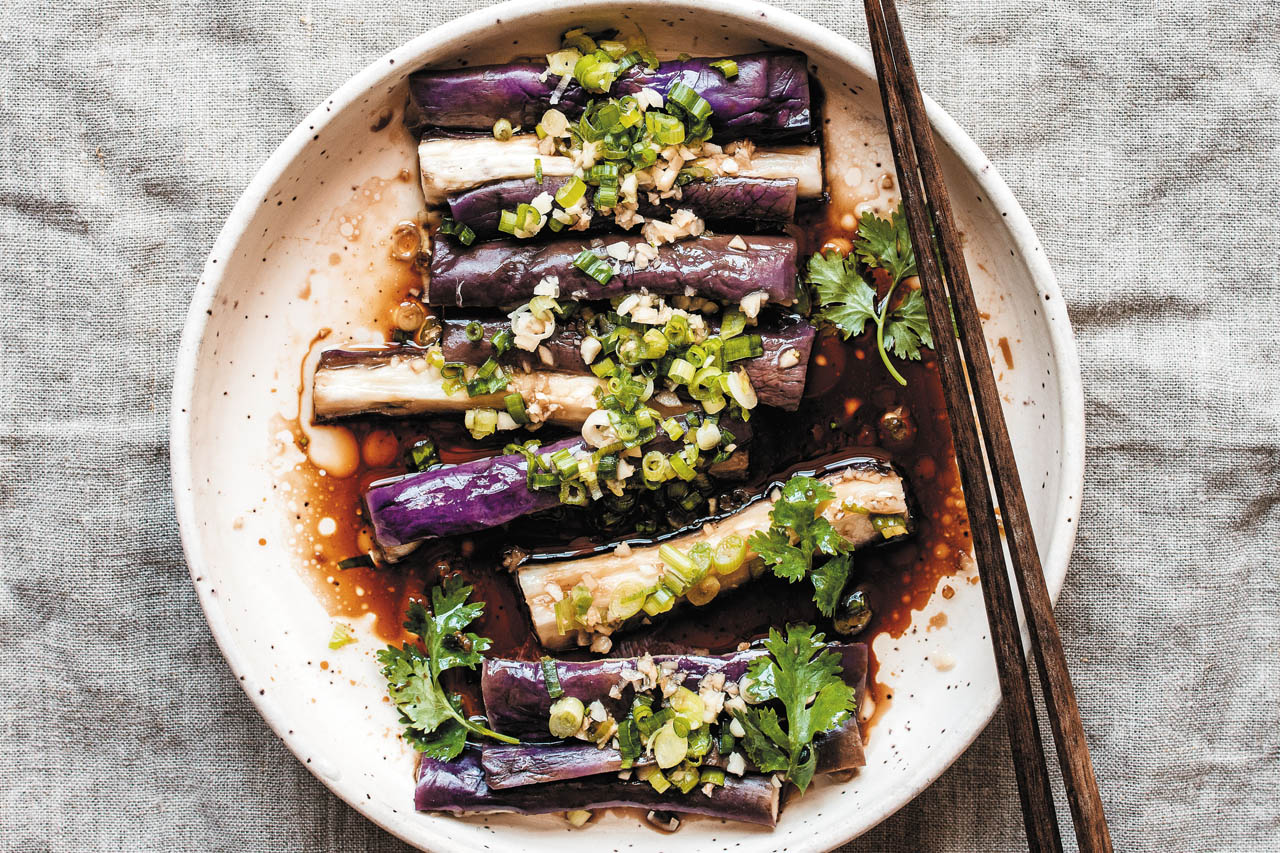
x,y
307,248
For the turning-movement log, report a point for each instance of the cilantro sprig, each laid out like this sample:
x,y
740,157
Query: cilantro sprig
x,y
804,676
797,531
848,300
433,718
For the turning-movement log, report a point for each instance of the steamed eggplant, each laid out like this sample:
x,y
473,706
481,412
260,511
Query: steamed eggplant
x,y
536,764
735,199
459,787
450,166
778,376
868,491
518,702
767,99
400,381
505,272
453,499
469,497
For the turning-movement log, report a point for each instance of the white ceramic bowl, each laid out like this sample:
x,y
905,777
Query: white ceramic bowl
x,y
330,193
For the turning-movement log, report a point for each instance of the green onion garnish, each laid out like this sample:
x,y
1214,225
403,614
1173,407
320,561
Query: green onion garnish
x,y
596,72
689,101
423,454
507,222
537,169
604,368
603,173
733,324
607,467
593,265
515,408
502,130
653,345
606,197
342,636
667,130
502,341
551,678
481,422
474,331
453,228
577,39
745,346
727,67
676,330
681,372
569,194
542,479
629,112
573,494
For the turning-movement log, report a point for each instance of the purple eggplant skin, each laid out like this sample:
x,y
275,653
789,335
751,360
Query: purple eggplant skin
x,y
536,764
734,199
454,499
505,272
472,496
563,348
518,704
775,384
768,99
459,787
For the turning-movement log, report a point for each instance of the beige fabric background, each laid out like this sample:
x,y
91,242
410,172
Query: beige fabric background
x,y
1142,137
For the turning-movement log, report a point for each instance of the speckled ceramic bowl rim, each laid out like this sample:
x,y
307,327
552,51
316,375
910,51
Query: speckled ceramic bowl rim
x,y
1071,400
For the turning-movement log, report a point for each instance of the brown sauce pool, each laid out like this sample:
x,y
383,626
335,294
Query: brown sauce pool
x,y
848,391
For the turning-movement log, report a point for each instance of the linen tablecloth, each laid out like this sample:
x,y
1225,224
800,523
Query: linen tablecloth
x,y
1143,139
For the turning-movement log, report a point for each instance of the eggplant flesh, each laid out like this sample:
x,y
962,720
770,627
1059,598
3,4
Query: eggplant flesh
x,y
517,702
450,166
505,272
720,199
778,376
399,381
459,787
769,98
868,482
472,496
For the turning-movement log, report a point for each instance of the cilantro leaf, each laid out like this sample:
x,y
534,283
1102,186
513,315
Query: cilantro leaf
x,y
775,548
764,740
805,677
797,531
907,328
886,244
848,301
829,581
433,719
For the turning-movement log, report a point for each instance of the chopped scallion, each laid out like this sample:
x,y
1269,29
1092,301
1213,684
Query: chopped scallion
x,y
569,194
453,228
689,101
593,265
729,69
551,678
516,408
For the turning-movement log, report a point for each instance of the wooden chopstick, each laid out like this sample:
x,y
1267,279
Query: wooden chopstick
x,y
916,158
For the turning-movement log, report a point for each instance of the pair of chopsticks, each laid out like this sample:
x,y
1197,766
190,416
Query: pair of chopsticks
x,y
928,209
